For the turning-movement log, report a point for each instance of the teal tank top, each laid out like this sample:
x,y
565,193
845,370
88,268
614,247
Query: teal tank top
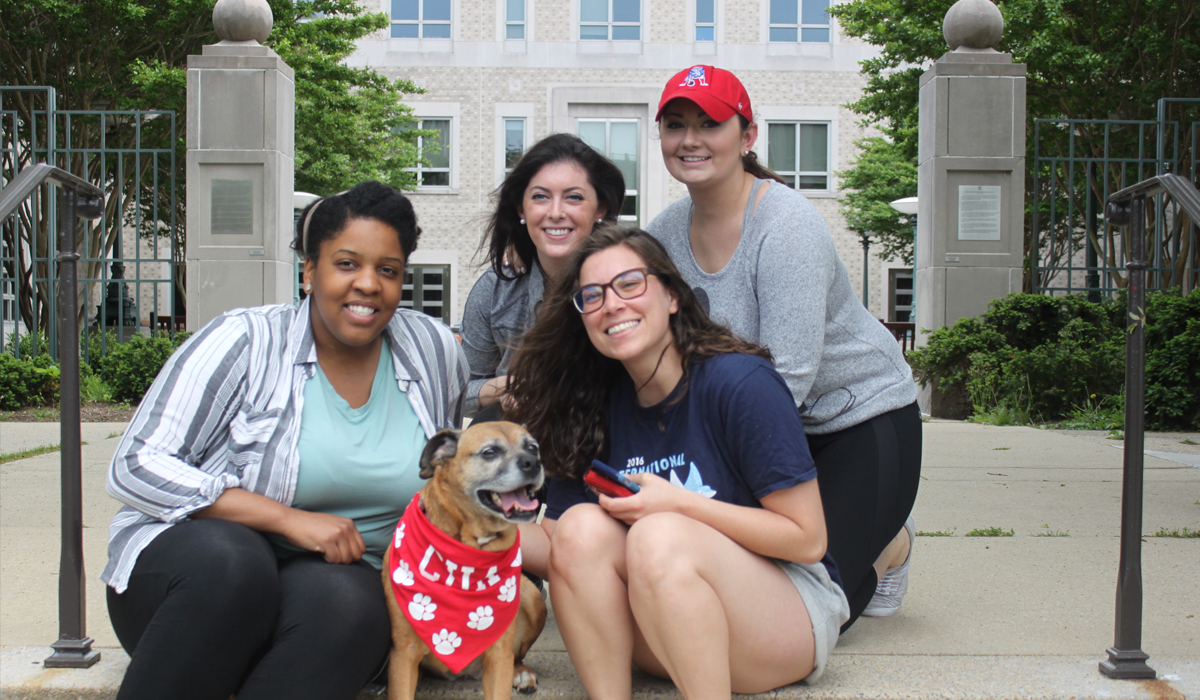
x,y
360,463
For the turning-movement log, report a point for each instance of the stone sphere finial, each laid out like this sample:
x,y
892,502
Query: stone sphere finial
x,y
973,25
243,20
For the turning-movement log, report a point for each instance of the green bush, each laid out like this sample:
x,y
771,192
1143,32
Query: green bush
x,y
27,381
1042,358
130,368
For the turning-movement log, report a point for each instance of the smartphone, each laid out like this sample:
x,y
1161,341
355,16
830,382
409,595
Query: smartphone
x,y
608,481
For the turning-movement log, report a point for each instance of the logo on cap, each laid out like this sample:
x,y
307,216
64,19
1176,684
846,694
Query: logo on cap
x,y
694,76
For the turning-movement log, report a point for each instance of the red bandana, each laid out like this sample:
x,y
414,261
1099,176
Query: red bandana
x,y
458,599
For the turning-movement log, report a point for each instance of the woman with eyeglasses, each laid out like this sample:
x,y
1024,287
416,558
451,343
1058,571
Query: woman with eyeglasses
x,y
760,254
715,574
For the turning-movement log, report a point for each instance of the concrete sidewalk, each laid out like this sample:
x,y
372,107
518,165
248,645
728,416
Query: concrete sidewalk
x,y
1027,616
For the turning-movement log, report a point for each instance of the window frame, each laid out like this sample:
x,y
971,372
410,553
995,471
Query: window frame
x,y
610,23
505,111
769,113
797,173
421,22
697,24
639,191
508,22
451,111
799,25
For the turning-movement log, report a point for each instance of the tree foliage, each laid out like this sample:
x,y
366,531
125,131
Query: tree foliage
x,y
1085,60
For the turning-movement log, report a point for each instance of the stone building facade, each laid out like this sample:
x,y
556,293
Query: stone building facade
x,y
500,74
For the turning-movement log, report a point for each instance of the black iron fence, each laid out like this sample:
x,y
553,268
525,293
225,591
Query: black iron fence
x,y
1078,164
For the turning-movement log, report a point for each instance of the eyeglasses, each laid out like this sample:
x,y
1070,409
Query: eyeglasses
x,y
630,284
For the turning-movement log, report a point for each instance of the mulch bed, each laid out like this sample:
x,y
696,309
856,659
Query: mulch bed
x,y
88,413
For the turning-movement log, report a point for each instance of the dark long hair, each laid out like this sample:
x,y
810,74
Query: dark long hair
x,y
560,382
504,227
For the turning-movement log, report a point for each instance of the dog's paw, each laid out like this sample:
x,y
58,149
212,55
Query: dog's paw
x,y
524,679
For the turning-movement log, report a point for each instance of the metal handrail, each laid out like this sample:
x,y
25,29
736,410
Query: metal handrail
x,y
1128,207
77,198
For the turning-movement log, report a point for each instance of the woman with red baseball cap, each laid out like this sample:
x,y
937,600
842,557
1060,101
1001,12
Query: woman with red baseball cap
x,y
762,258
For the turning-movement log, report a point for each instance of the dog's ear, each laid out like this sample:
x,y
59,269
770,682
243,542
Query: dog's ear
x,y
440,447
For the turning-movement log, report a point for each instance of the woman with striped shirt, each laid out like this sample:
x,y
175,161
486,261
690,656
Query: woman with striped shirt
x,y
267,466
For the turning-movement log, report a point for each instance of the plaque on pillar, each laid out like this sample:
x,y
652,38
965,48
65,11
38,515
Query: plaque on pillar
x,y
240,160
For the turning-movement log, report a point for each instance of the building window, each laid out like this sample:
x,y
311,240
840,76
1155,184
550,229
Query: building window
x,y
433,170
805,21
424,19
514,19
706,16
618,140
425,290
799,153
900,296
619,20
514,143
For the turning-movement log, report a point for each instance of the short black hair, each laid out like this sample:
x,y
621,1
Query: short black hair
x,y
504,228
326,217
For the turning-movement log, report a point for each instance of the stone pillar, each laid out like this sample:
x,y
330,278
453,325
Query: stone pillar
x,y
971,177
241,101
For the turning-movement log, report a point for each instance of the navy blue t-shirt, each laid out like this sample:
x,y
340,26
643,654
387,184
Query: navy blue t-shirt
x,y
735,436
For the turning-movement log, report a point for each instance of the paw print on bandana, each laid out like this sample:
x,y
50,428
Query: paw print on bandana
x,y
421,607
399,535
517,560
482,618
403,575
509,590
445,642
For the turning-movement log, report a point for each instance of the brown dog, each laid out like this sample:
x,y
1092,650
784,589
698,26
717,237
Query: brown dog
x,y
481,483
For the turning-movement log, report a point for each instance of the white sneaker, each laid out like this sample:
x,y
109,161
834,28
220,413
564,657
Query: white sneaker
x,y
889,592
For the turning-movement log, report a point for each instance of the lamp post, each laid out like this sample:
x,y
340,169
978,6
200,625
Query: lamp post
x,y
908,207
866,242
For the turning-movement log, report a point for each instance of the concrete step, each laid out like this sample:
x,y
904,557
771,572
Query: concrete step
x,y
849,677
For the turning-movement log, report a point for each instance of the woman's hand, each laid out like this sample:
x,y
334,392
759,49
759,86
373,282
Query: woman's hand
x,y
333,536
657,496
495,389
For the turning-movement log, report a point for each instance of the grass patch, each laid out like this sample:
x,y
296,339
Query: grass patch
x,y
1002,415
1047,532
995,449
115,433
937,533
1188,441
44,449
990,532
1184,533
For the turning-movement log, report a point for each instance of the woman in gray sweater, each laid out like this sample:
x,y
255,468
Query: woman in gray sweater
x,y
764,260
546,206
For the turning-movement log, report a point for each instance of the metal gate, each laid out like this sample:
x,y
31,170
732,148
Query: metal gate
x,y
1077,164
131,259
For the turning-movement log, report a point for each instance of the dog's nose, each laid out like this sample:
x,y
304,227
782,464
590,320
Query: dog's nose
x,y
528,464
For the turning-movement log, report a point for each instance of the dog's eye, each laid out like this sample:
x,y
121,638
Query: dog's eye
x,y
532,448
489,453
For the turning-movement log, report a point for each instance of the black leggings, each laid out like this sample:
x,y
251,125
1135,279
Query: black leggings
x,y
210,610
868,475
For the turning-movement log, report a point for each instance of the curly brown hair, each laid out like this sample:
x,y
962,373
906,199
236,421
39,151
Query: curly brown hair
x,y
560,382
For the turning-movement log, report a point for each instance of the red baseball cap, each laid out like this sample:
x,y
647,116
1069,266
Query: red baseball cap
x,y
718,92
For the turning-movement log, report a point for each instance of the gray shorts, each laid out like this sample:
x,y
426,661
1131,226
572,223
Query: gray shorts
x,y
827,608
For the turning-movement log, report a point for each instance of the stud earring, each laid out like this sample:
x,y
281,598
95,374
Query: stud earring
x,y
522,222
600,220
745,153
308,287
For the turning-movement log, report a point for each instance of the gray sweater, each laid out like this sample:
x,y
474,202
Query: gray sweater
x,y
786,288
497,313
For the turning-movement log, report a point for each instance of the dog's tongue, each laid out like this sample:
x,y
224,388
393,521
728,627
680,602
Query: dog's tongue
x,y
517,499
